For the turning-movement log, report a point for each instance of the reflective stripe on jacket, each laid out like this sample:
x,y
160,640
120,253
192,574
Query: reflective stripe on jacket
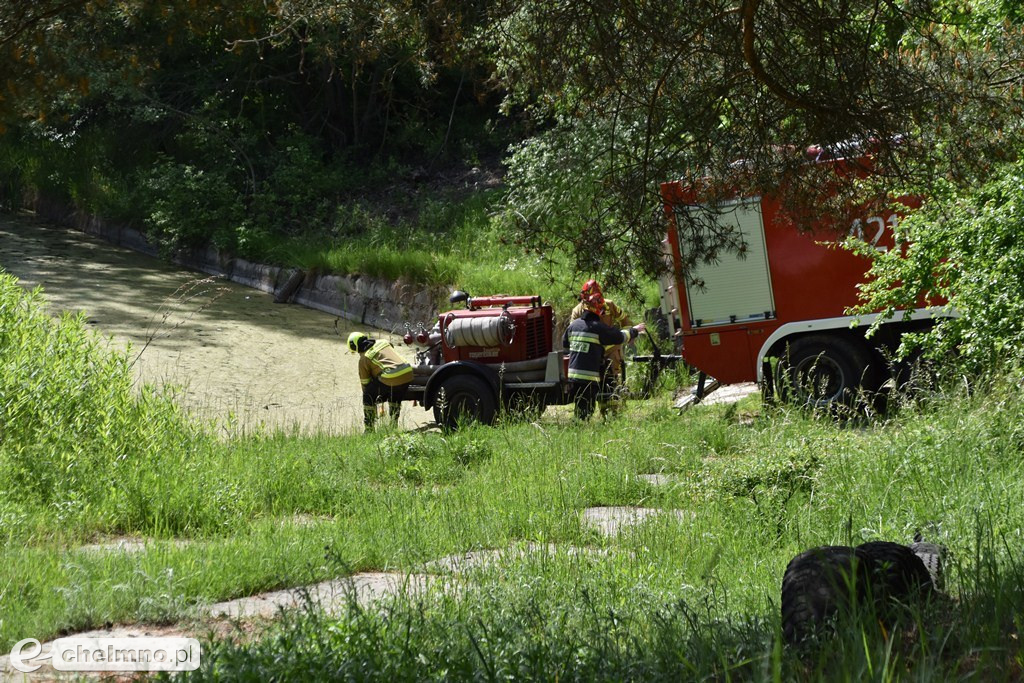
x,y
586,338
613,316
382,362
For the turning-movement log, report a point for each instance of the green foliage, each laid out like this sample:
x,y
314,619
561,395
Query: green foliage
x,y
298,187
557,216
74,429
633,94
245,124
964,247
13,183
418,458
142,115
234,193
429,248
190,205
532,623
588,620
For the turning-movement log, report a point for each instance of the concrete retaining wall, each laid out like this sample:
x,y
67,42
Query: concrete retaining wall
x,y
384,304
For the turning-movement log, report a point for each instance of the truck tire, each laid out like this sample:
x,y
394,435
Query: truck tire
x,y
463,399
824,370
816,588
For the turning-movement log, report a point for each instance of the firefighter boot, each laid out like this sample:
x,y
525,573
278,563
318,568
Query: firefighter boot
x,y
615,399
394,411
369,417
609,406
612,388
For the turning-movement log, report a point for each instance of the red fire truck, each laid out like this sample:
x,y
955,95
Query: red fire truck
x,y
784,298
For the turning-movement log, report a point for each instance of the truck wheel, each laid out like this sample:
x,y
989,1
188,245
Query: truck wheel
x,y
816,589
823,370
463,399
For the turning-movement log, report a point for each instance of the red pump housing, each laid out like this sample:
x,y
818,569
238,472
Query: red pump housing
x,y
520,328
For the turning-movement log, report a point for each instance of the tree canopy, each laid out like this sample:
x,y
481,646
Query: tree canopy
x,y
732,94
236,118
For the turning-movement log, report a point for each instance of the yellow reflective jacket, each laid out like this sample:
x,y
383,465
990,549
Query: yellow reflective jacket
x,y
613,315
382,362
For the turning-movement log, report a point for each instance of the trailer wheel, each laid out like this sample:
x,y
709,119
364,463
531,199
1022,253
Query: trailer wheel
x,y
463,399
823,370
816,589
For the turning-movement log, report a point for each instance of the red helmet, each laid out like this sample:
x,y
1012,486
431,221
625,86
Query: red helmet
x,y
592,297
590,287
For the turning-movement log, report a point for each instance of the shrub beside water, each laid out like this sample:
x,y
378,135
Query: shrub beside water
x,y
73,428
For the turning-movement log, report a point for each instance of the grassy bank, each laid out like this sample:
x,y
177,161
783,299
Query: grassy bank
x,y
689,594
457,241
751,497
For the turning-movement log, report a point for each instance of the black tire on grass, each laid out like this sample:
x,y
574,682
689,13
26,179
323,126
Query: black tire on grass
x,y
817,586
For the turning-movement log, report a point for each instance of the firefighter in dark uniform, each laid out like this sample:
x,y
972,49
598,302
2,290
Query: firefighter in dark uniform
x,y
586,339
615,370
384,374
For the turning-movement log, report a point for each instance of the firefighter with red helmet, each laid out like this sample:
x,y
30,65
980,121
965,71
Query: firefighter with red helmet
x,y
384,374
615,371
587,338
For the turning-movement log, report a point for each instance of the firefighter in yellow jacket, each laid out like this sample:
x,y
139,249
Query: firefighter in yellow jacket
x,y
384,374
614,376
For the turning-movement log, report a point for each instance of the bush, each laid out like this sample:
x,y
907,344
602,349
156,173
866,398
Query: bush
x,y
191,205
73,426
965,247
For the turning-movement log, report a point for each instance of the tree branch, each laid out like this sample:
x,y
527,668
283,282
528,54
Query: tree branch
x,y
748,12
24,21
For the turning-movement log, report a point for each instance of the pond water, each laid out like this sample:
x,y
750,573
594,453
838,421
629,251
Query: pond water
x,y
232,353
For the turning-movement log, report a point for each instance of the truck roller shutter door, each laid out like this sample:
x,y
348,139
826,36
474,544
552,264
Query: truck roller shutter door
x,y
738,288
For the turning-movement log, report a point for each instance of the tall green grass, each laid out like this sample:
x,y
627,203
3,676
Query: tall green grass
x,y
571,619
391,262
695,598
447,243
74,432
691,596
752,496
